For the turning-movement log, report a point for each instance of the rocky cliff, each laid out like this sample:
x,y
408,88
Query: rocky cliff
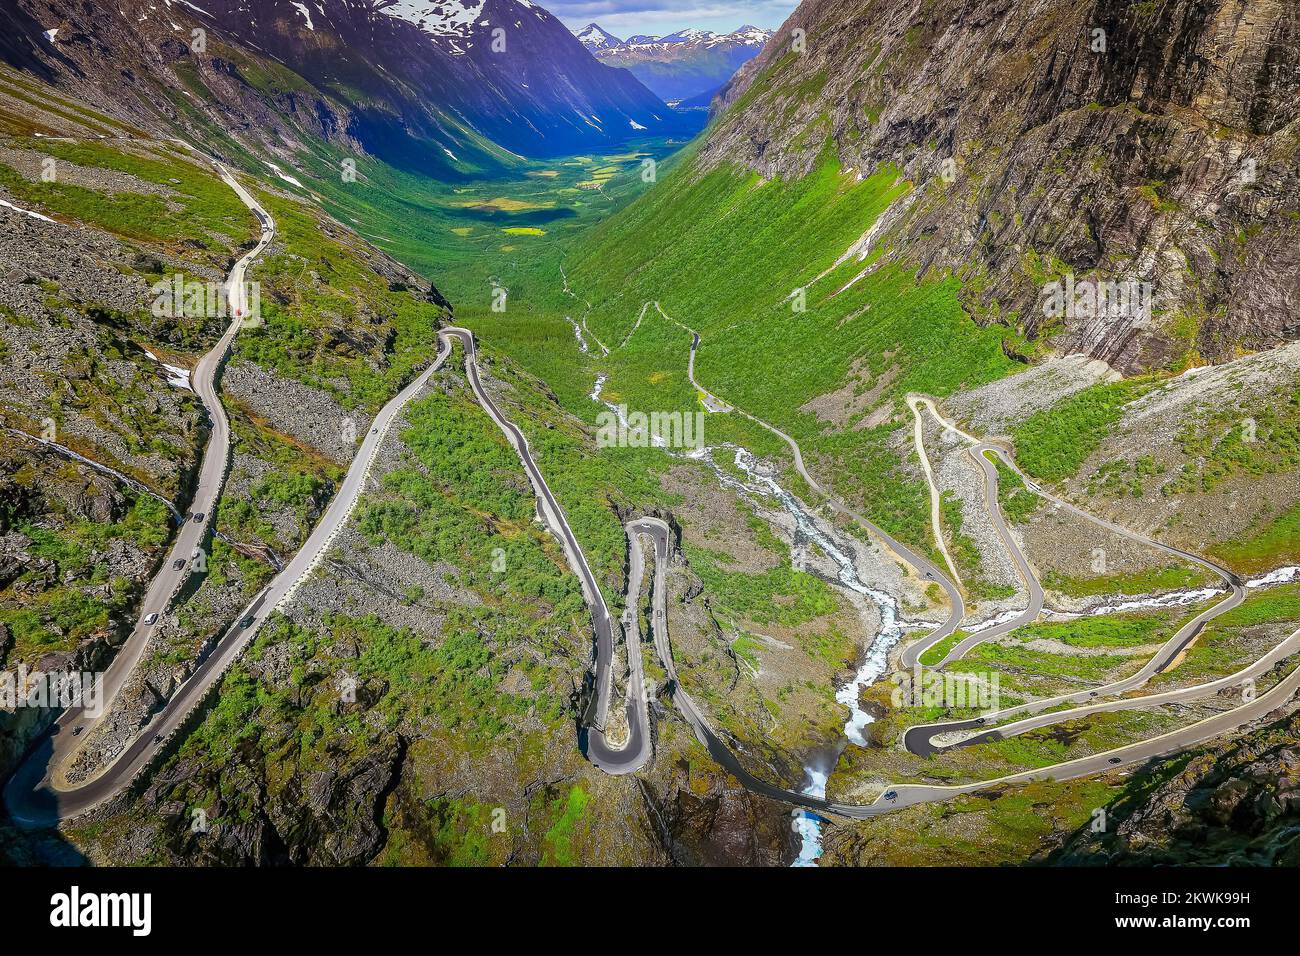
x,y
1232,803
1109,141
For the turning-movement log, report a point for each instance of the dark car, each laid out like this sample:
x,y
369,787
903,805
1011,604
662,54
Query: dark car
x,y
198,518
248,621
1116,759
891,794
178,564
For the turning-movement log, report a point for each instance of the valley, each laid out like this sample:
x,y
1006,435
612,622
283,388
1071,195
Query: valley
x,y
932,579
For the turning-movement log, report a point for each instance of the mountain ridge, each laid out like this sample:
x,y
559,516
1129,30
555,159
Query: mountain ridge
x,y
681,65
424,98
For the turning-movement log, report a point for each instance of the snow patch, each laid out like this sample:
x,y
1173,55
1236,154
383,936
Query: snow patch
x,y
25,212
291,180
177,377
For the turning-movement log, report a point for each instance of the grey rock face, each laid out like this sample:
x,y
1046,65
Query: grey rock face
x,y
1160,151
1232,803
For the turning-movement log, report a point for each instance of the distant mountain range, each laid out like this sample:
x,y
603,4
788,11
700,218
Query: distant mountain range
x,y
688,66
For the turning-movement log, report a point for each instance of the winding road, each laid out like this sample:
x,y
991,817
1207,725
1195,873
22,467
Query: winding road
x,y
71,725
633,753
923,565
909,794
37,795
918,739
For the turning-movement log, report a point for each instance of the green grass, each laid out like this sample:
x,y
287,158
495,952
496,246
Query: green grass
x,y
1151,581
60,617
559,839
1239,443
1281,603
780,595
211,216
1270,543
1022,660
935,654
1078,738
1088,632
1227,644
331,321
723,251
1017,502
1053,444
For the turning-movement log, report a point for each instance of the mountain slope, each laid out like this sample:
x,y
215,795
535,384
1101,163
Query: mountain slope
x,y
1162,149
422,93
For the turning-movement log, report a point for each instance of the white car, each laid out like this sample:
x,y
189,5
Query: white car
x,y
151,618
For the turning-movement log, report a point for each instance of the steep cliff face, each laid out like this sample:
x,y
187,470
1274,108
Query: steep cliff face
x,y
1114,142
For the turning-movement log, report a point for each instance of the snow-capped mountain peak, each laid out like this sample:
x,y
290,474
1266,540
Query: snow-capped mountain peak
x,y
595,37
687,36
445,18
682,65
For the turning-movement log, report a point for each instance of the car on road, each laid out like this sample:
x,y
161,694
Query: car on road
x,y
891,794
1116,759
248,621
76,731
151,618
198,518
178,564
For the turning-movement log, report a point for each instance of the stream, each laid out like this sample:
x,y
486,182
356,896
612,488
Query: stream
x,y
757,481
807,824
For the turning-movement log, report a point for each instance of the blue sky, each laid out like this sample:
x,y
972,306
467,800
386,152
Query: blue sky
x,y
626,17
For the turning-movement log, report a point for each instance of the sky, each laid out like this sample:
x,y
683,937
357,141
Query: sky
x,y
661,17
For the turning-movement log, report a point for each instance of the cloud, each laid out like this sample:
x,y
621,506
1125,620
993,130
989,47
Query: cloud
x,y
625,17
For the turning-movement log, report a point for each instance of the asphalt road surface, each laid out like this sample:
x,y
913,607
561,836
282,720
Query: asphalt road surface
x,y
911,794
38,796
923,565
635,751
193,530
918,739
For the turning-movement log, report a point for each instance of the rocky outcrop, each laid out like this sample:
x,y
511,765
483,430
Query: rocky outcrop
x,y
725,825
1231,803
1110,141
